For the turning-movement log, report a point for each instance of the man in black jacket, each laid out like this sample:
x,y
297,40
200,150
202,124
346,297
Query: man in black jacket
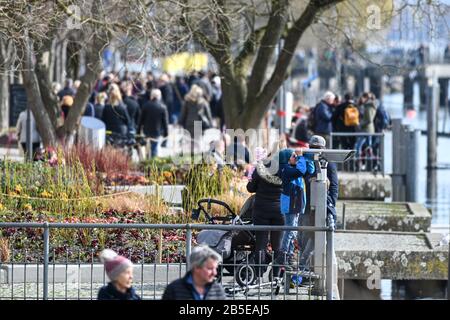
x,y
132,104
198,283
167,96
154,120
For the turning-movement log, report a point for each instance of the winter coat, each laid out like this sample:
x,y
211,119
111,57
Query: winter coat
x,y
133,110
154,120
99,110
109,292
183,289
117,119
180,89
301,130
323,116
66,92
333,188
167,97
191,112
293,198
268,189
89,111
367,123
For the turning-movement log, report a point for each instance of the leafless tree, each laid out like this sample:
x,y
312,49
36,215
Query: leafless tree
x,y
29,30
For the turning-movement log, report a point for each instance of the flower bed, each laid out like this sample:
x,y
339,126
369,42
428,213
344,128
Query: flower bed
x,y
72,192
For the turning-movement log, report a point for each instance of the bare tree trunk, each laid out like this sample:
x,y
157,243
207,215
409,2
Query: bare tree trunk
x,y
44,123
93,68
4,102
62,61
51,62
6,50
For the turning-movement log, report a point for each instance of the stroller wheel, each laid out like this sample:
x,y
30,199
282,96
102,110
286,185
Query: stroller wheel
x,y
245,275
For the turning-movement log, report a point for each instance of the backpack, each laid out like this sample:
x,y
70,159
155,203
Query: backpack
x,y
382,120
351,116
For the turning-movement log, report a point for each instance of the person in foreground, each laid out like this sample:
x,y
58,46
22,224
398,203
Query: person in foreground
x,y
199,282
120,271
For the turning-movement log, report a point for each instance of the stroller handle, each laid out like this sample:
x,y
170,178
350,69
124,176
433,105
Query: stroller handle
x,y
215,201
209,201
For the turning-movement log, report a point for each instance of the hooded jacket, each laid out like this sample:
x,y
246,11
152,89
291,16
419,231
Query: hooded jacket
x,y
267,187
293,197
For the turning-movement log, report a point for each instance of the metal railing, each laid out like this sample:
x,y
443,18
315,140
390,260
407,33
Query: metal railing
x,y
42,276
369,148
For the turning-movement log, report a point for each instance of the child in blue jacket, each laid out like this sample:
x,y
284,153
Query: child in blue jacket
x,y
293,167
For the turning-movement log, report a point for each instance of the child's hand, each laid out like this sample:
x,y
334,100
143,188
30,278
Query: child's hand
x,y
299,151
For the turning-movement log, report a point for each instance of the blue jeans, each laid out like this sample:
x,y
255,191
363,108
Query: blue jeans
x,y
154,148
360,142
287,244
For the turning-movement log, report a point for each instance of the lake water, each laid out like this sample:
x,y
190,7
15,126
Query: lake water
x,y
440,206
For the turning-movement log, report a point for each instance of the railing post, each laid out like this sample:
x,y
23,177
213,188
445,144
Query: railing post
x,y
188,244
382,153
46,253
330,252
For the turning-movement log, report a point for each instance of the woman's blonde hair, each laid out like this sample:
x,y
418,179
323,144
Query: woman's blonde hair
x,y
115,97
195,94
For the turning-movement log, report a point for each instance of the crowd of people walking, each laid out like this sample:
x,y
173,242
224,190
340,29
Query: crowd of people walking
x,y
363,117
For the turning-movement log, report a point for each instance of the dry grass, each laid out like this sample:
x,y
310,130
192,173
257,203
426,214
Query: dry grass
x,y
234,200
134,202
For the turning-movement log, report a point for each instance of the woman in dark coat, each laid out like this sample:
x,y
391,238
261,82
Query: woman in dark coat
x,y
115,115
266,210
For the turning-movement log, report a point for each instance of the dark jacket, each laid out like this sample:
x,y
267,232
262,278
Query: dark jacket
x,y
301,130
338,118
99,110
66,92
181,289
323,115
268,190
191,112
117,119
180,89
143,99
167,97
133,110
109,292
154,120
89,111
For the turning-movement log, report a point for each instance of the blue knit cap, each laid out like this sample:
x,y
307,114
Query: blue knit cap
x,y
285,155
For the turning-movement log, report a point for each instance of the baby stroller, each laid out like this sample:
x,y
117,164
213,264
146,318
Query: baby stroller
x,y
236,247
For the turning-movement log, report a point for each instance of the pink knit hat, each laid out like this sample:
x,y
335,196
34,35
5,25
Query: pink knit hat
x,y
114,264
